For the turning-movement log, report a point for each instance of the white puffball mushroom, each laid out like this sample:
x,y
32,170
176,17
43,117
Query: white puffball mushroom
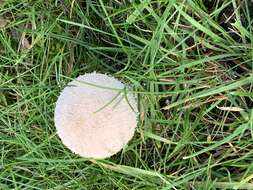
x,y
95,115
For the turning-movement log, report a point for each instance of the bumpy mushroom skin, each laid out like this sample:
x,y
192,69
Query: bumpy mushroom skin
x,y
93,116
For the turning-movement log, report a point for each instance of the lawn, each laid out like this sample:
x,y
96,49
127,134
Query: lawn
x,y
189,61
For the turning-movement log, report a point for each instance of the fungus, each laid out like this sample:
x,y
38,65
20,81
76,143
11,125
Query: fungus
x,y
95,116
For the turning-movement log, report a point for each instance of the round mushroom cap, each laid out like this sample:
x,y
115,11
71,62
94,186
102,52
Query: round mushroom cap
x,y
95,115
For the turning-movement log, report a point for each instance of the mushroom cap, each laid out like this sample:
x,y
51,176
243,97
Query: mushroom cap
x,y
94,118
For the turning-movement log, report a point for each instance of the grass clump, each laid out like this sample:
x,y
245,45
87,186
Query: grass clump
x,y
189,61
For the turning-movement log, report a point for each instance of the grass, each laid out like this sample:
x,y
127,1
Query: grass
x,y
189,61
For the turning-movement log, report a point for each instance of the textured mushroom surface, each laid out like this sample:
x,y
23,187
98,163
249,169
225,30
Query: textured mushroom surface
x,y
94,117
